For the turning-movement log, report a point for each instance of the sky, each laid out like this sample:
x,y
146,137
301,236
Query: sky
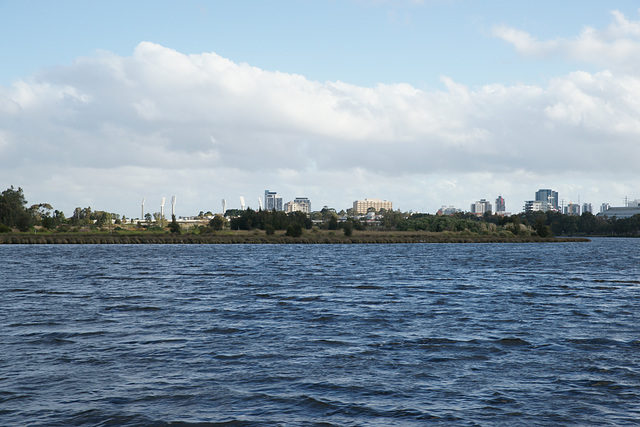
x,y
423,103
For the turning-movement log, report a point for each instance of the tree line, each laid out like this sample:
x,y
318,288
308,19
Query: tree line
x,y
544,224
16,214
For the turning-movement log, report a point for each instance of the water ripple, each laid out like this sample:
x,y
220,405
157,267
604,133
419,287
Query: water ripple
x,y
331,335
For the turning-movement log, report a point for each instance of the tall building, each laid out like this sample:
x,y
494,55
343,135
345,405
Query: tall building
x,y
604,207
548,198
572,209
299,204
532,206
586,207
272,201
480,207
360,207
500,205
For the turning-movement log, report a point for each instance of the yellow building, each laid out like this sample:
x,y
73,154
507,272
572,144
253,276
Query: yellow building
x,y
360,207
300,204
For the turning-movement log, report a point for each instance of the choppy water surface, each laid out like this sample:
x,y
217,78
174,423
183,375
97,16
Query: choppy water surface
x,y
461,334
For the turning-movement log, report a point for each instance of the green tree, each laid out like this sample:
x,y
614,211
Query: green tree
x,y
174,227
354,223
160,220
391,219
515,219
81,216
542,229
347,228
13,212
39,212
101,218
294,230
217,222
333,223
300,218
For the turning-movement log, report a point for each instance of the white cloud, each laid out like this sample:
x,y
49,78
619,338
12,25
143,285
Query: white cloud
x,y
107,130
616,47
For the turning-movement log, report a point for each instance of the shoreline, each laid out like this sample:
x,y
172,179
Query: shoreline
x,y
262,238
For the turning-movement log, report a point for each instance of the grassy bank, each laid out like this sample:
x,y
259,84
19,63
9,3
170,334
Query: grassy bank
x,y
253,237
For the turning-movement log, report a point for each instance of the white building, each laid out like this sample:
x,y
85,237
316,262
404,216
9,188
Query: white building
x,y
480,207
272,201
534,206
632,208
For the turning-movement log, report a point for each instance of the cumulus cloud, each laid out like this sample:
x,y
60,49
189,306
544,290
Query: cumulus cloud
x,y
108,129
616,47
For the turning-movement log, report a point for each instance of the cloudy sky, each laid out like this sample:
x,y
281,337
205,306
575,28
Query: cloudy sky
x,y
423,103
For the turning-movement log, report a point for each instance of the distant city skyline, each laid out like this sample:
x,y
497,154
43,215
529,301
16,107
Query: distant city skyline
x,y
423,103
273,200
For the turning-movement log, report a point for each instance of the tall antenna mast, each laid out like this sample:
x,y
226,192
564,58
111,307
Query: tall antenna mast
x,y
142,214
173,206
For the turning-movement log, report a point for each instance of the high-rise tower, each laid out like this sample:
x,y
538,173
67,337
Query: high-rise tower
x,y
272,201
548,198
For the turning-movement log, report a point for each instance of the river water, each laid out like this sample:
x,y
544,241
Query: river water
x,y
344,335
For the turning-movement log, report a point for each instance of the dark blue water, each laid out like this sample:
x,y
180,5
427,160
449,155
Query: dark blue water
x,y
371,335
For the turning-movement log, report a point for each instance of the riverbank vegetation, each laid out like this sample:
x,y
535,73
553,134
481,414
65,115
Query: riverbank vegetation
x,y
40,223
314,236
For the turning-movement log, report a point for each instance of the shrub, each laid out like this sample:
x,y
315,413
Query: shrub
x,y
294,230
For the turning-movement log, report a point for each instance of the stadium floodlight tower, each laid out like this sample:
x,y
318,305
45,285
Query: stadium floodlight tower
x,y
224,207
241,203
260,203
142,214
173,206
162,208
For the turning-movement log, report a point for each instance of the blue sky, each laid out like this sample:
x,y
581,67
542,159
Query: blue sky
x,y
360,42
362,92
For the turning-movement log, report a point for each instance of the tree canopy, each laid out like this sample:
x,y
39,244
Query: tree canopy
x,y
13,211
